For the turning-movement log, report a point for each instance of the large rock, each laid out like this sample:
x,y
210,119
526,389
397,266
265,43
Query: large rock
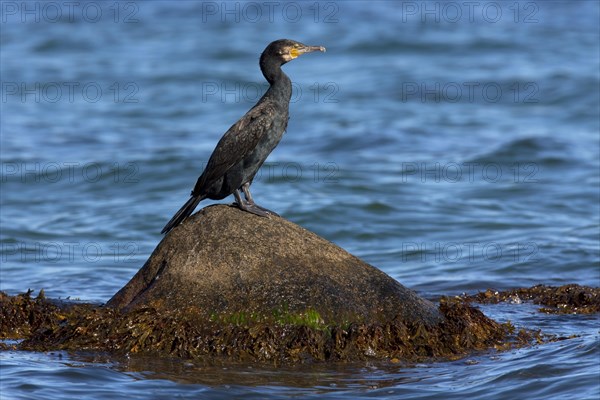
x,y
224,261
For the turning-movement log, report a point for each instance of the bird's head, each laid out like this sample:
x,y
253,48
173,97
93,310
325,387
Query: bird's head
x,y
285,50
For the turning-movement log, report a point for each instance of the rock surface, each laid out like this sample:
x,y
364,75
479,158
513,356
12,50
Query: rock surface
x,y
223,262
230,286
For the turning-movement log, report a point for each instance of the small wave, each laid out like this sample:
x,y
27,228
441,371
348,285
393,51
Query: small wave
x,y
52,45
541,150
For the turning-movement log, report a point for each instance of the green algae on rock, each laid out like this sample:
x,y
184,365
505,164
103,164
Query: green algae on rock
x,y
225,262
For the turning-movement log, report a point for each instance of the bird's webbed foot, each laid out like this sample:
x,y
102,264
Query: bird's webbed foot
x,y
256,210
261,210
250,206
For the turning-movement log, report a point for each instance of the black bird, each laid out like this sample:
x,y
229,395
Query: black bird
x,y
247,144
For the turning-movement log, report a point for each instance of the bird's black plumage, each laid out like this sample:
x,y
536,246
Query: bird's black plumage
x,y
247,144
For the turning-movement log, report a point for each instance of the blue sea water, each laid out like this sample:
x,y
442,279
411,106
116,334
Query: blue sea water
x,y
454,145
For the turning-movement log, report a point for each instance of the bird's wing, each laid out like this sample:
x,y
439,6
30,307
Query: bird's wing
x,y
237,142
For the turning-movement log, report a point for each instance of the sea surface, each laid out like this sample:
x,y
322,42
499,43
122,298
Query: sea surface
x,y
454,145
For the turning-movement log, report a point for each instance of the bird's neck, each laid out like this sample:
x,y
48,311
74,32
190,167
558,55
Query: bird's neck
x,y
279,81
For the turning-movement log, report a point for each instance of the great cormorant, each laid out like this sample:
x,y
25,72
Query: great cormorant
x,y
247,144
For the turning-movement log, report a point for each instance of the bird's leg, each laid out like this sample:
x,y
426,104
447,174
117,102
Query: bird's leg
x,y
250,202
247,195
246,206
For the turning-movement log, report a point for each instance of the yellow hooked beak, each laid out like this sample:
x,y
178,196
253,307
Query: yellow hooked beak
x,y
296,52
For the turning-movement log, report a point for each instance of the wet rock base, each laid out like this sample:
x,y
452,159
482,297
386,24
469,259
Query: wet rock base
x,y
567,299
279,338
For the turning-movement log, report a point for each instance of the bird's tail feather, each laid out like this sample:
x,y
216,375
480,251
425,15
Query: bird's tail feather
x,y
183,213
